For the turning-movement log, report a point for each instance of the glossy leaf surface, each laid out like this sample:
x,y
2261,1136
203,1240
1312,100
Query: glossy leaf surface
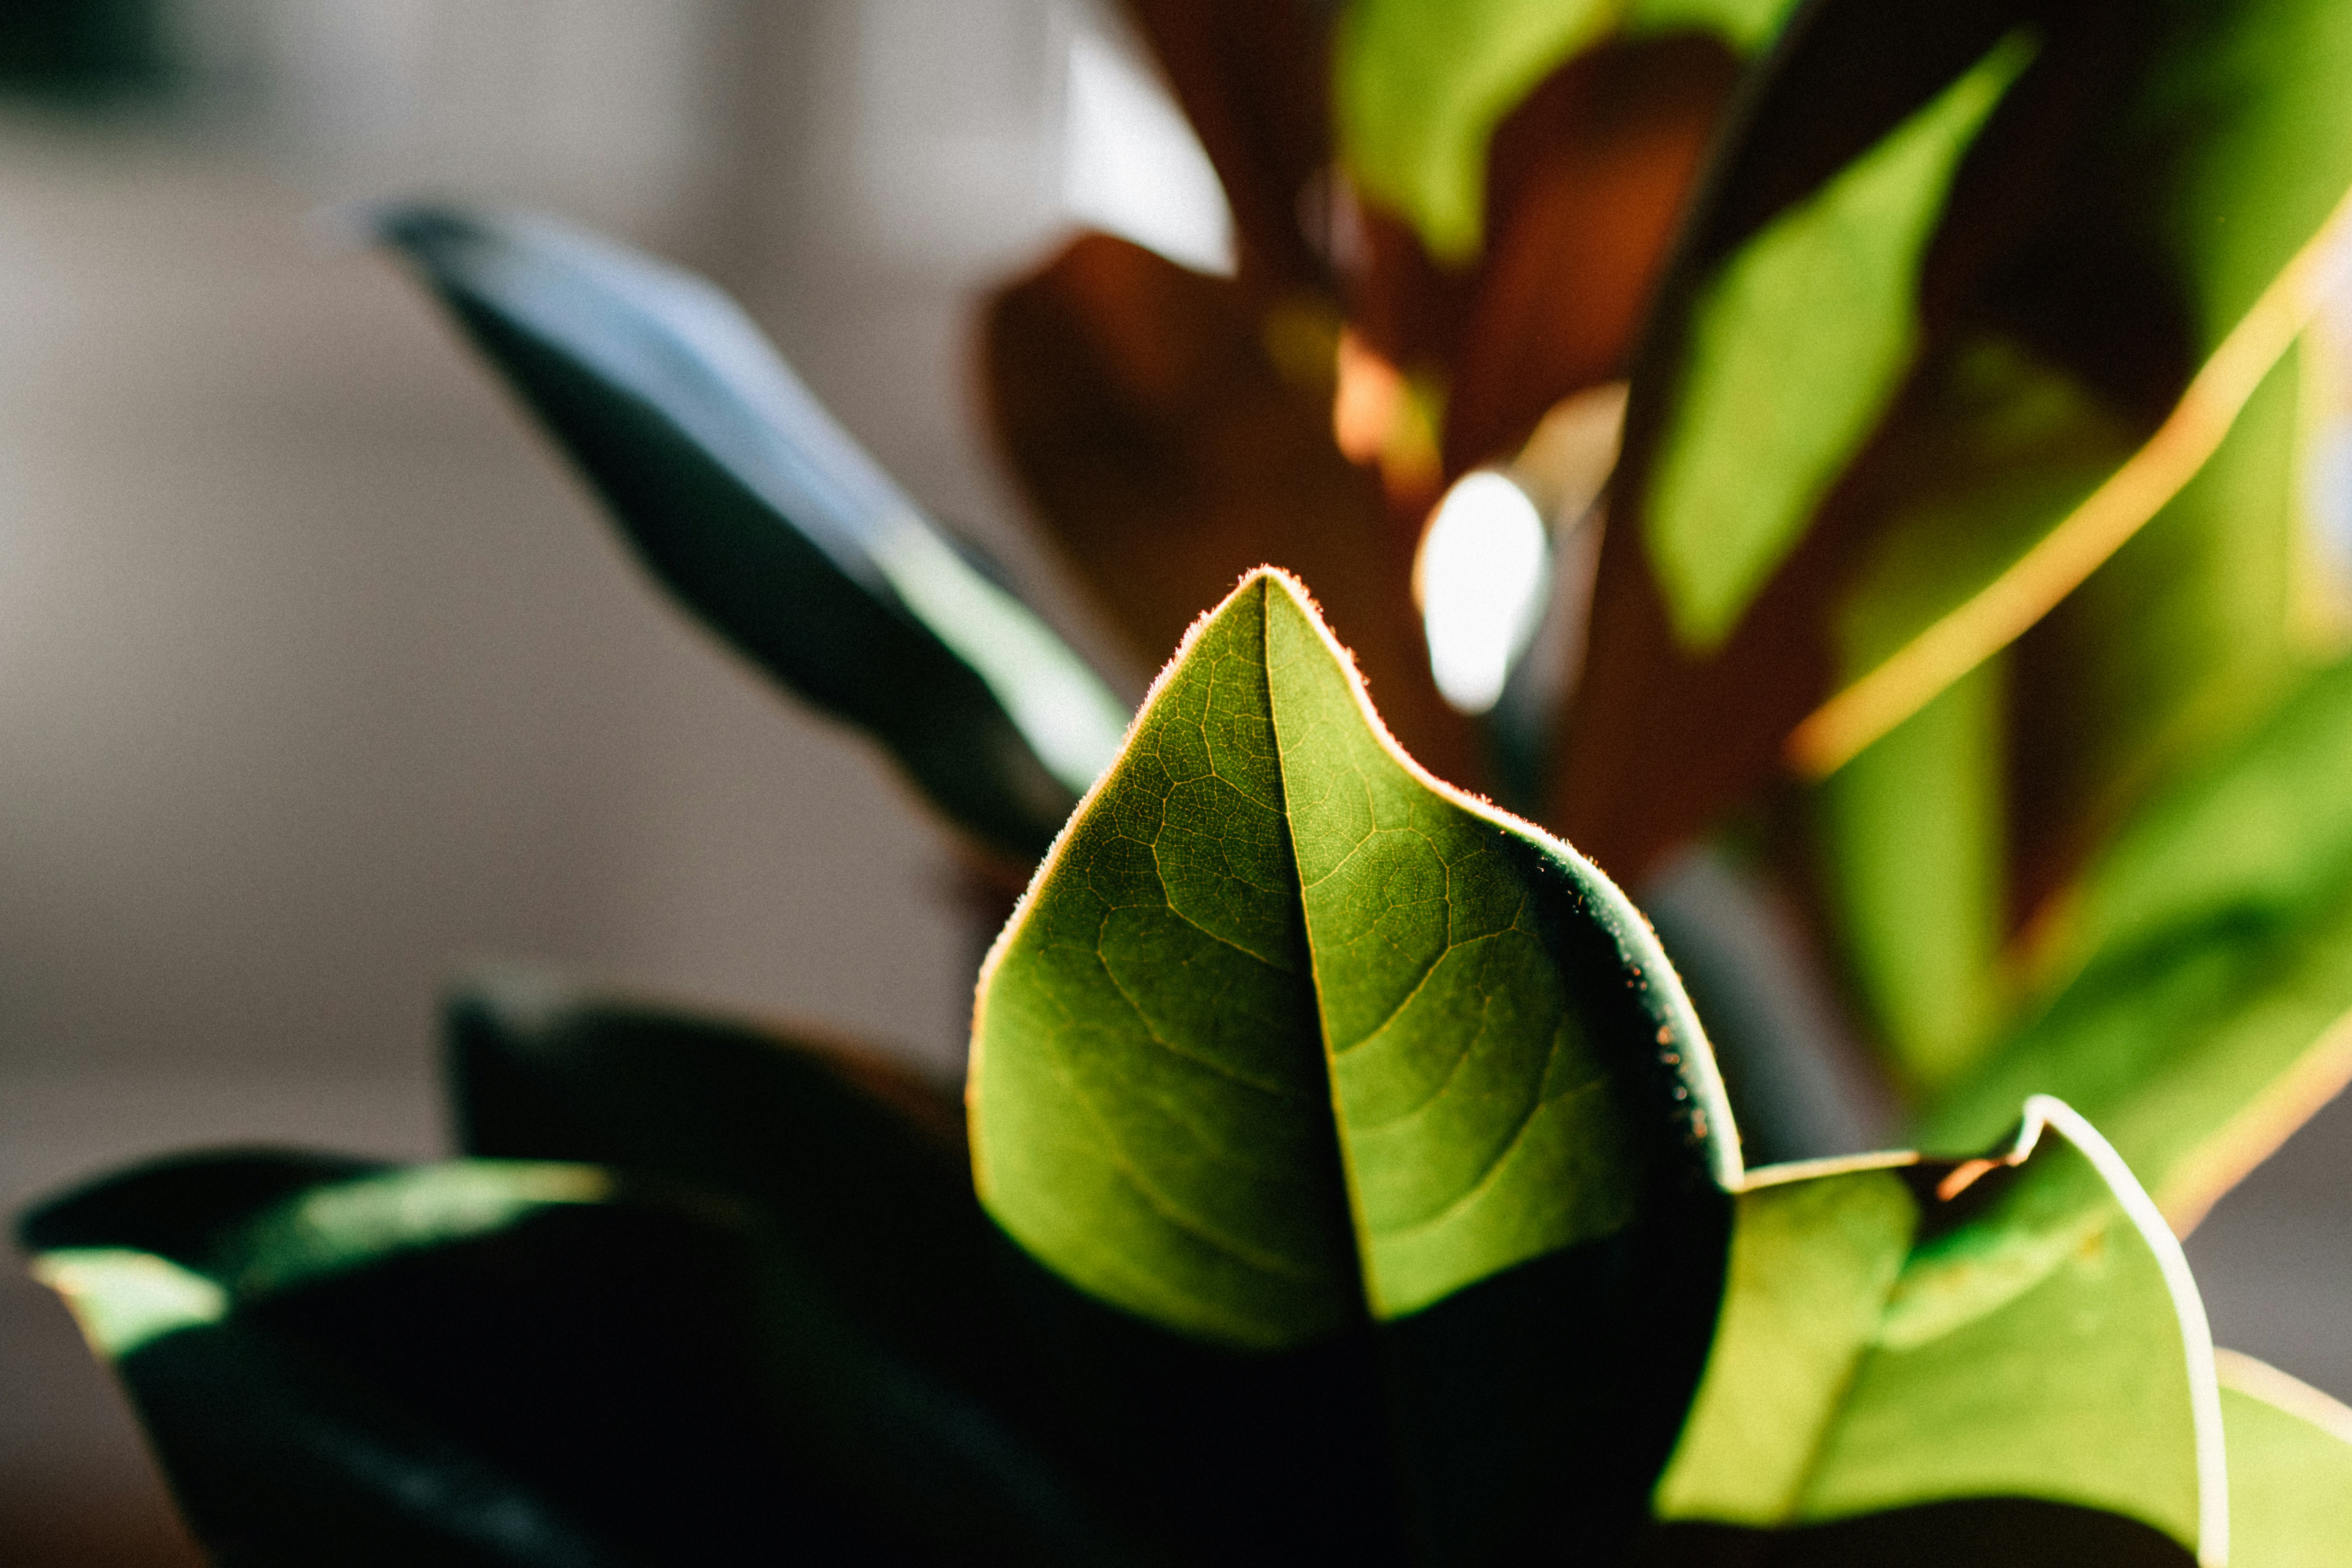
x,y
1266,912
769,521
2022,1326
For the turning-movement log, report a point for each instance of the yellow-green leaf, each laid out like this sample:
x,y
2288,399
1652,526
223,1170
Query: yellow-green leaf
x,y
1797,346
1286,1032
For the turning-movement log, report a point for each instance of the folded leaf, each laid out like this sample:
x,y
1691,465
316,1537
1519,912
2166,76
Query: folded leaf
x,y
1897,1334
2290,1469
753,506
1287,1033
2204,973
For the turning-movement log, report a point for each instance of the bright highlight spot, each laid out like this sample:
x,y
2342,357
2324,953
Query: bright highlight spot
x,y
1131,166
1480,577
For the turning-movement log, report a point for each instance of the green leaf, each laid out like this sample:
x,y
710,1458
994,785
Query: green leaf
x,y
1287,1035
1916,867
505,1362
1265,913
753,506
862,1171
1821,299
1897,1334
2151,171
860,1166
2205,973
2290,1469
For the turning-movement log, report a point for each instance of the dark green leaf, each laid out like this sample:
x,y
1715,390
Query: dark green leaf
x,y
862,1171
438,1354
859,1165
1266,914
761,513
1897,1334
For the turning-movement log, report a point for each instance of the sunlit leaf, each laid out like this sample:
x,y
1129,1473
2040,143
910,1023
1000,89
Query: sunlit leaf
x,y
1796,348
2290,1469
748,501
1286,1034
1420,87
2110,229
1419,90
2018,1327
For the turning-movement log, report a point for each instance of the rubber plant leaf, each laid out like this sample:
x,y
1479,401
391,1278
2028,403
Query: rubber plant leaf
x,y
1896,1335
418,1362
1287,1035
2290,1469
760,513
2199,1004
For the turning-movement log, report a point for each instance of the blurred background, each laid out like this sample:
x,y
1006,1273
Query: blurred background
x,y
320,679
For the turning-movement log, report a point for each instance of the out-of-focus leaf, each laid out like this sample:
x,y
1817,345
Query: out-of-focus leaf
x,y
2290,1469
1287,1033
1419,90
2173,647
2146,177
1167,453
766,519
507,1362
1584,183
2017,1327
1915,868
859,1165
1795,349
1251,77
2204,968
